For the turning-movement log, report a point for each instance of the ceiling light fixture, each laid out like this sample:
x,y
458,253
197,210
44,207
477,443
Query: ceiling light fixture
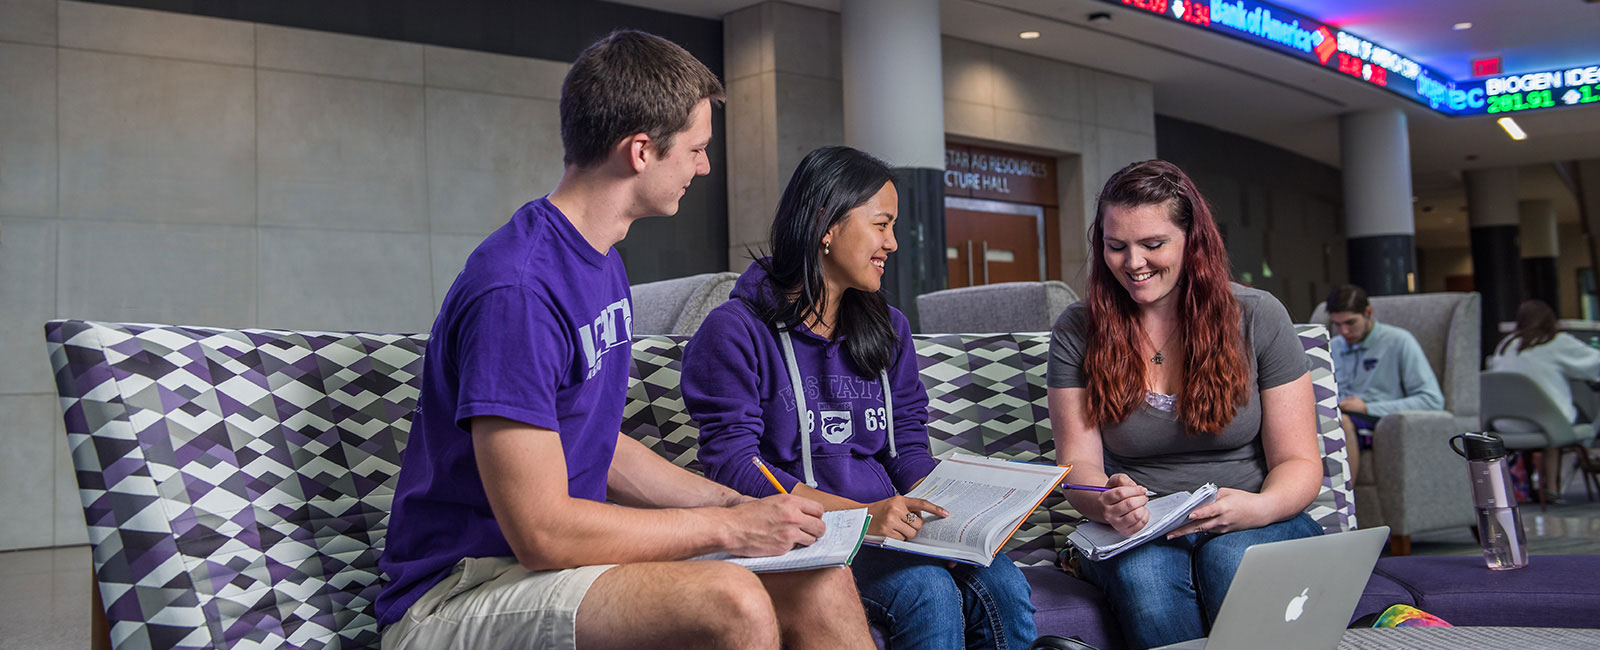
x,y
1028,36
1512,129
1461,26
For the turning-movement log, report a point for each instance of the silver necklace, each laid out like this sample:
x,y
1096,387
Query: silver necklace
x,y
1159,358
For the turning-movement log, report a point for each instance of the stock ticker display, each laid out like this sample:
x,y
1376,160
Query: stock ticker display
x,y
1310,40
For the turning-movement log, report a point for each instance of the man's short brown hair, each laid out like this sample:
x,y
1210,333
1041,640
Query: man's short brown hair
x,y
630,82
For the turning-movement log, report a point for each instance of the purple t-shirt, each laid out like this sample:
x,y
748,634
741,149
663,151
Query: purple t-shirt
x,y
536,329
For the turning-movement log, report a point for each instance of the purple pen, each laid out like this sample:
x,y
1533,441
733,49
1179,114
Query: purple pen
x,y
1096,488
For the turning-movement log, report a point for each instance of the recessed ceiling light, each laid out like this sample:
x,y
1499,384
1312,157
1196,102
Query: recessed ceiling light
x,y
1512,129
1460,26
1028,36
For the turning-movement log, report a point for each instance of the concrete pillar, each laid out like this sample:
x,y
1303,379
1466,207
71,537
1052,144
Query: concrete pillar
x,y
894,109
781,66
1380,231
1541,248
1496,256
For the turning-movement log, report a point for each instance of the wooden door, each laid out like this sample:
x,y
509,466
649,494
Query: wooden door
x,y
991,247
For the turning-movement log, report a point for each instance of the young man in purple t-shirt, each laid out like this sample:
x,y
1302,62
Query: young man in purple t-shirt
x,y
501,535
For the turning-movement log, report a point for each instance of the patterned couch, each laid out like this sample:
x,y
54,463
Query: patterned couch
x,y
237,483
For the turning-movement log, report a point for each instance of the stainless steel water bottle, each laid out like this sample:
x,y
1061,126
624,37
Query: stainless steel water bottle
x,y
1499,523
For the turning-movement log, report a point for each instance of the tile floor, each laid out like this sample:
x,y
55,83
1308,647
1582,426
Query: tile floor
x,y
44,593
44,599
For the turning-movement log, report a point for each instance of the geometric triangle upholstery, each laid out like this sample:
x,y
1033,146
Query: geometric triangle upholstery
x,y
236,483
1335,505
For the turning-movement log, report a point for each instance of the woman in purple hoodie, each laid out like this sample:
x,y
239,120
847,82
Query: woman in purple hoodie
x,y
855,434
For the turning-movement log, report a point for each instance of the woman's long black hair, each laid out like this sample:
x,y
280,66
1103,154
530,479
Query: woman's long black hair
x,y
829,182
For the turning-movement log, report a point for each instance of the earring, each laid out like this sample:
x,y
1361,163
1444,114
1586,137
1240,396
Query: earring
x,y
825,249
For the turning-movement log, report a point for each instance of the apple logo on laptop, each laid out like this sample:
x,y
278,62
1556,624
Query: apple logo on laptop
x,y
1297,606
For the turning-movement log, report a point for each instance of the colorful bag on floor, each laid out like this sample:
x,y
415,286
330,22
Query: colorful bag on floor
x,y
1408,616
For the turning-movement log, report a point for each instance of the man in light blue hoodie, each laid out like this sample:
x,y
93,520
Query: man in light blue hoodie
x,y
1380,369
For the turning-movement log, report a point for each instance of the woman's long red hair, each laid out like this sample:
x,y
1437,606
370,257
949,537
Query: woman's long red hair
x,y
1215,377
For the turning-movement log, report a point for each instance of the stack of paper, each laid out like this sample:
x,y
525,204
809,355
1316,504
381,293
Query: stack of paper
x,y
1098,541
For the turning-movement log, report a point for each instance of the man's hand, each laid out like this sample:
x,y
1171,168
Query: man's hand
x,y
889,516
1233,510
1353,405
1123,505
774,525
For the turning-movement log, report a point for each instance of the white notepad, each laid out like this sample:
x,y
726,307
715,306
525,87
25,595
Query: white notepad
x,y
1098,541
836,548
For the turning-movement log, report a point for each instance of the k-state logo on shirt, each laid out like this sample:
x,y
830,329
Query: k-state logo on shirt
x,y
838,422
612,328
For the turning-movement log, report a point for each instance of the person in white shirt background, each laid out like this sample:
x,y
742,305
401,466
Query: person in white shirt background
x,y
1538,349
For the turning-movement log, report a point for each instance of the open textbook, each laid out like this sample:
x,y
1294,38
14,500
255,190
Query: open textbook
x,y
1098,541
836,548
987,500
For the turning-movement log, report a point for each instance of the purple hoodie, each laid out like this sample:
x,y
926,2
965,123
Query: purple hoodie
x,y
736,384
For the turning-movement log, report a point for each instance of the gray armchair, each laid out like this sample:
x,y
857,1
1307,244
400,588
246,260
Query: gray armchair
x,y
1413,482
1003,307
678,306
1525,417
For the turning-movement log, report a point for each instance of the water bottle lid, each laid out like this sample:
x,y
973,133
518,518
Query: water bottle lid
x,y
1479,446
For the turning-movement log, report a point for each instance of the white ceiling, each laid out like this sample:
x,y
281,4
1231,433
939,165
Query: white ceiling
x,y
1200,76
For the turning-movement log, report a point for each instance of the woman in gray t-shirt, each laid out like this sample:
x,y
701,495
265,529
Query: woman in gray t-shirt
x,y
1169,376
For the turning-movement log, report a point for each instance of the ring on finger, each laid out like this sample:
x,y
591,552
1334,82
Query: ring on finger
x,y
911,517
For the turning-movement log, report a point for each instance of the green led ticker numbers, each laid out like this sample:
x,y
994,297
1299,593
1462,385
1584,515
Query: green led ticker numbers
x,y
1513,102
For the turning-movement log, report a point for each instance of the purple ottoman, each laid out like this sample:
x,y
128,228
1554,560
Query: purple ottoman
x,y
1552,591
1380,593
1067,606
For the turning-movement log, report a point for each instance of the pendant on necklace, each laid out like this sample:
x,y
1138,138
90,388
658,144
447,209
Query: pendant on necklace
x,y
1159,358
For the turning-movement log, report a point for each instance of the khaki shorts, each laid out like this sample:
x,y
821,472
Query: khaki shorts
x,y
493,602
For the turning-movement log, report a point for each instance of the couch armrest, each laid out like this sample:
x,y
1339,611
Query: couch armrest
x,y
1422,485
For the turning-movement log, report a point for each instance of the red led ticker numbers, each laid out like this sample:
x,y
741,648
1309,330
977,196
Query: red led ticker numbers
x,y
1157,6
1362,70
1190,11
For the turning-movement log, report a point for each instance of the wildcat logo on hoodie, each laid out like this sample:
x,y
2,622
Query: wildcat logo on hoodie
x,y
837,422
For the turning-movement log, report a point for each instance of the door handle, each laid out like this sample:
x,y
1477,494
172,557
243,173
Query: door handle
x,y
969,263
986,261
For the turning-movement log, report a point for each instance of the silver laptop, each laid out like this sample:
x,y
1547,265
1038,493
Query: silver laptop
x,y
1301,589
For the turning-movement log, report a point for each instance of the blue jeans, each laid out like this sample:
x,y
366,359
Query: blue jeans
x,y
927,606
1169,591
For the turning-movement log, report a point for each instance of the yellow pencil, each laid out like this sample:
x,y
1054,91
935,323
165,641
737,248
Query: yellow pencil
x,y
763,467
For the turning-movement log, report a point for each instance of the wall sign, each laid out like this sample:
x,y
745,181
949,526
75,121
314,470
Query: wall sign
x,y
984,173
1310,40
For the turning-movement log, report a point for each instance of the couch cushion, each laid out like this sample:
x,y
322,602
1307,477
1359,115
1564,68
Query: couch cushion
x,y
1334,506
999,307
237,483
987,396
1552,591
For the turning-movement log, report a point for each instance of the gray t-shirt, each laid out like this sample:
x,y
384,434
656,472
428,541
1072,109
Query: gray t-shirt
x,y
1151,446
